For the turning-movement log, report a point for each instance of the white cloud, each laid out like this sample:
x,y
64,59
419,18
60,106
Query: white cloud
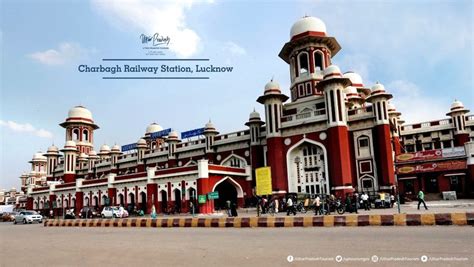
x,y
167,18
234,49
65,53
415,106
26,128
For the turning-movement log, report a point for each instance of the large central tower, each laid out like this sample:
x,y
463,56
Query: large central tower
x,y
80,128
308,53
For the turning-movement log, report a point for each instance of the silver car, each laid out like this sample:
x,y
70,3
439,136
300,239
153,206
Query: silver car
x,y
28,216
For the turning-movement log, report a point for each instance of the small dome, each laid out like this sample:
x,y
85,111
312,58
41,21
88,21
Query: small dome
x,y
332,71
308,24
457,105
92,153
141,141
378,87
272,86
254,115
80,112
116,148
208,125
351,91
154,127
391,107
39,156
174,134
104,148
70,144
83,155
355,78
52,148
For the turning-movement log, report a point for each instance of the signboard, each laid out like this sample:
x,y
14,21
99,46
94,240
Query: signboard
x,y
264,181
213,195
129,147
433,167
202,199
161,133
192,133
432,154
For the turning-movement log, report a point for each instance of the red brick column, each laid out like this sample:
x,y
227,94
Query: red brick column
x,y
79,202
151,197
112,192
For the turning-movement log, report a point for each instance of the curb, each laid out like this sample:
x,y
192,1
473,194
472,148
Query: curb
x,y
466,218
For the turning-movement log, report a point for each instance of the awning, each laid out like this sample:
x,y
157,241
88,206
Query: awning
x,y
407,178
454,174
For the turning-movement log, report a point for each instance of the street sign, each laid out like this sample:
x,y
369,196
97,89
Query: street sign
x,y
202,199
129,147
192,133
160,133
264,181
213,195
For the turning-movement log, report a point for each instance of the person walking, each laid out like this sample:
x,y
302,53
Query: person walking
x,y
356,202
234,209
317,205
290,208
421,199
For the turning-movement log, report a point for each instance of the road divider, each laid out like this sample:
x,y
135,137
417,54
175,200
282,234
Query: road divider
x,y
465,218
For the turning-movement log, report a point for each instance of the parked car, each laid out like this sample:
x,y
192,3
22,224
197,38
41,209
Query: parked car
x,y
110,212
9,216
88,212
28,216
69,214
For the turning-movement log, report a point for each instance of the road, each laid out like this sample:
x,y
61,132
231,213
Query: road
x,y
35,245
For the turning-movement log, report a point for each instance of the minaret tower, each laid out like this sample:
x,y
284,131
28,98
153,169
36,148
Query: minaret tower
x,y
80,128
458,116
52,158
382,141
273,100
70,156
340,174
254,125
172,140
394,116
308,53
210,132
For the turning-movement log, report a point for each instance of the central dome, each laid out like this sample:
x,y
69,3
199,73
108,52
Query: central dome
x,y
152,128
79,112
308,24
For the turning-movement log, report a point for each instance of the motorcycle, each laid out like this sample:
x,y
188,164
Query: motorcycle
x,y
300,207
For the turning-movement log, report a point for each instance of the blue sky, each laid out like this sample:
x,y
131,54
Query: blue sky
x,y
422,52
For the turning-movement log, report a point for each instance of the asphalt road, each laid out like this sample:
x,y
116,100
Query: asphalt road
x,y
35,245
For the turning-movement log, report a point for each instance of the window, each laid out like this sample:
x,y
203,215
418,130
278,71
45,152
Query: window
x,y
318,60
445,132
303,63
426,134
308,89
365,167
300,90
367,183
446,144
427,146
75,134
363,142
85,135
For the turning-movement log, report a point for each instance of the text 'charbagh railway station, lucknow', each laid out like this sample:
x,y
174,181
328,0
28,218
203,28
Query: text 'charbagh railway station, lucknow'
x,y
335,135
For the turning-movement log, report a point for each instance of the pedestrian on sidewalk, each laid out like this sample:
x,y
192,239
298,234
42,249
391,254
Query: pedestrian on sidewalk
x,y
290,208
317,205
365,201
234,209
421,199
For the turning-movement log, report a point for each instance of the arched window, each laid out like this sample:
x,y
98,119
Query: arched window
x,y
75,134
85,135
318,60
303,63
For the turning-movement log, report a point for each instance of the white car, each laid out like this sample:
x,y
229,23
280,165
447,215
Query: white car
x,y
110,212
28,216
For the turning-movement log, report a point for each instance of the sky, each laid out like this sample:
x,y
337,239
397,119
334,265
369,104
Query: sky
x,y
422,52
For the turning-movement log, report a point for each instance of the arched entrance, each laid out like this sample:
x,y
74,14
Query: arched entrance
x,y
96,201
307,168
104,200
143,201
120,200
177,200
130,202
164,201
229,190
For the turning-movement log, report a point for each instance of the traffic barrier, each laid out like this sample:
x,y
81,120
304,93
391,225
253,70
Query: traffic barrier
x,y
466,218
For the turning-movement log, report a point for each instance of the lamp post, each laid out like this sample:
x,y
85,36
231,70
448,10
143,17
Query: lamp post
x,y
398,192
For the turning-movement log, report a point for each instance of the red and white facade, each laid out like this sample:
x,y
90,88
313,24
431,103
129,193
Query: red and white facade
x,y
334,136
